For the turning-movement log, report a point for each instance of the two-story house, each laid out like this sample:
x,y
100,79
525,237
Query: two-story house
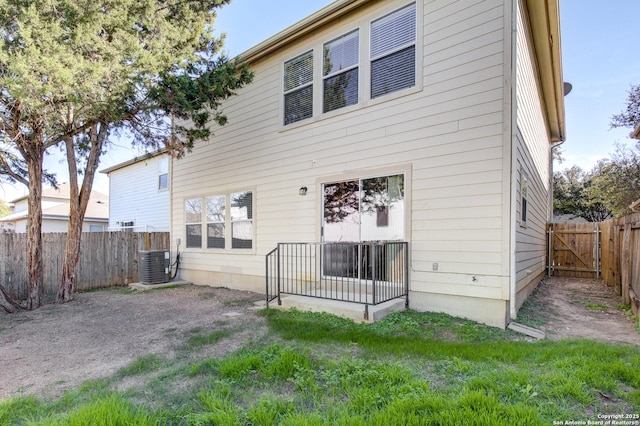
x,y
425,122
139,193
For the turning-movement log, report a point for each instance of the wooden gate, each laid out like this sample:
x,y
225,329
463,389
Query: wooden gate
x,y
574,250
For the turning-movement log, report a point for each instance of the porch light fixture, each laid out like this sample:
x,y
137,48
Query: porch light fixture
x,y
302,191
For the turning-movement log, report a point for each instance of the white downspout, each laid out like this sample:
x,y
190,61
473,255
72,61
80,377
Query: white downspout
x,y
514,160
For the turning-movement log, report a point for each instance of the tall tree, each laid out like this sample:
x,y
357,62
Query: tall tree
x,y
616,181
75,72
572,195
630,117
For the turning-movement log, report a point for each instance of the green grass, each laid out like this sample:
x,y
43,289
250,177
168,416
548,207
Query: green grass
x,y
317,369
595,306
142,365
198,339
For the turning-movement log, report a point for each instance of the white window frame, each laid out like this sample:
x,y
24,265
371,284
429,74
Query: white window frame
x,y
222,222
393,51
341,71
306,85
363,26
524,194
163,170
188,223
228,222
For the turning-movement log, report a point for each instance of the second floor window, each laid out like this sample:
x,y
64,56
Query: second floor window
x,y
340,72
298,88
391,46
393,52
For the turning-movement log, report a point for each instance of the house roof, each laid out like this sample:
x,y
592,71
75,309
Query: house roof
x,y
134,160
97,209
62,192
544,17
636,132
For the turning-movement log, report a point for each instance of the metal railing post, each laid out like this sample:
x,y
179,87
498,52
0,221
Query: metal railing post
x,y
278,274
405,247
374,255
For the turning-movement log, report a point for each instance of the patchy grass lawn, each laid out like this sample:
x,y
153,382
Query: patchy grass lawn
x,y
318,369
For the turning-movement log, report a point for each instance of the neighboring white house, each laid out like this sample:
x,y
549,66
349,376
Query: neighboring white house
x,y
55,212
454,106
139,193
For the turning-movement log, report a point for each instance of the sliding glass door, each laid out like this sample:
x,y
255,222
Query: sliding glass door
x,y
357,211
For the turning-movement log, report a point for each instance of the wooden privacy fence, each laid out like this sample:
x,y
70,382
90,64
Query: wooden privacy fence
x,y
621,257
573,250
107,259
609,250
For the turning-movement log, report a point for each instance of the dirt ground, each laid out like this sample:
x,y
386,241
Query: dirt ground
x,y
580,308
57,347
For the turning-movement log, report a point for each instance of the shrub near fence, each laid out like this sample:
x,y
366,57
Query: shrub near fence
x,y
107,259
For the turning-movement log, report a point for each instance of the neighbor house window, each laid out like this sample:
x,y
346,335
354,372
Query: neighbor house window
x,y
242,220
340,71
393,52
193,220
216,209
163,174
298,88
127,226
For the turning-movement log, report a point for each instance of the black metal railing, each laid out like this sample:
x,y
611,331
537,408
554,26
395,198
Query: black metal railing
x,y
368,273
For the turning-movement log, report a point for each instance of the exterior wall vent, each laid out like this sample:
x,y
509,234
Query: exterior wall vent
x,y
153,266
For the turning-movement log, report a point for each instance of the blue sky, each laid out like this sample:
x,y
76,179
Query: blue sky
x,y
600,60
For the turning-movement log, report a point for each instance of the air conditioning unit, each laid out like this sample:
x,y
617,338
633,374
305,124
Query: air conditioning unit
x,y
153,266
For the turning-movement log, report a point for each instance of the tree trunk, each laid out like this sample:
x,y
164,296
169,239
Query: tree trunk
x,y
7,302
67,286
78,202
34,231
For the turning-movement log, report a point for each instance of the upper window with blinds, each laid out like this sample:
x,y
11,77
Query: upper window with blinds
x,y
340,71
298,88
393,52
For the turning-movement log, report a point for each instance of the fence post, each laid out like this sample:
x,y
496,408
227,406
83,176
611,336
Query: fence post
x,y
597,254
626,264
550,250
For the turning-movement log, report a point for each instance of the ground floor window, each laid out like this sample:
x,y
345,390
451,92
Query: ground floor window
x,y
227,221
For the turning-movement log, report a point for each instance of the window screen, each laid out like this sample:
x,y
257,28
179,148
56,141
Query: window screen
x,y
216,208
193,219
298,88
163,174
242,220
340,71
393,52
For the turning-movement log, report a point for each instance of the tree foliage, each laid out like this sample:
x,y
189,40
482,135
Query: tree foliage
x,y
630,117
606,191
572,196
75,72
5,210
616,181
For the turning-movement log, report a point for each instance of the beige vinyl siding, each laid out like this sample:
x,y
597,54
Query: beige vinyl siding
x,y
533,153
447,135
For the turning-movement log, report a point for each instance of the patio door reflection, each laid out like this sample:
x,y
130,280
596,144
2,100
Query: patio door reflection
x,y
357,211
